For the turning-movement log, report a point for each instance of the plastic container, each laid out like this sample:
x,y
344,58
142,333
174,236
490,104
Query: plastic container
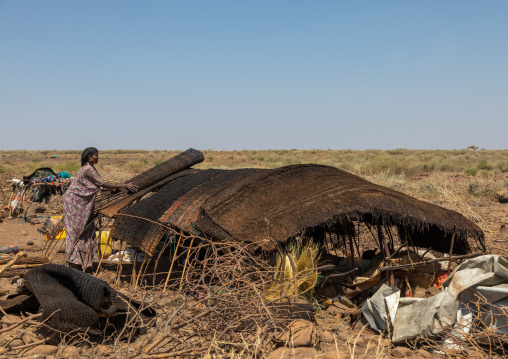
x,y
339,299
61,234
105,248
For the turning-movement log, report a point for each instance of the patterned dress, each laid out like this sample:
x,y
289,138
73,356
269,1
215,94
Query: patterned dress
x,y
78,203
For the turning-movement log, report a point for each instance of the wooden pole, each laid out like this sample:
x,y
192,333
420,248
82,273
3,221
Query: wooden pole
x,y
119,267
389,277
172,262
12,261
185,265
134,266
411,265
451,250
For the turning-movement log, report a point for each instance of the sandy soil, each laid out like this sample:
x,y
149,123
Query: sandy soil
x,y
332,330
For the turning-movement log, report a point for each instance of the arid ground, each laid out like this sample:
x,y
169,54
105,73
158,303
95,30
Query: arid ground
x,y
463,180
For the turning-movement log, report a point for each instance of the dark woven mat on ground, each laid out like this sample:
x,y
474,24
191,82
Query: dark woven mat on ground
x,y
69,297
138,224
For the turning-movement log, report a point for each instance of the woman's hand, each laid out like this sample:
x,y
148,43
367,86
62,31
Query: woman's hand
x,y
132,187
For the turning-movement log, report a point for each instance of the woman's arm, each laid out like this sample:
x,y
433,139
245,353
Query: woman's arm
x,y
131,187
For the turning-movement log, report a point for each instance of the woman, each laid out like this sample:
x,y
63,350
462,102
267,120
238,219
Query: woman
x,y
78,203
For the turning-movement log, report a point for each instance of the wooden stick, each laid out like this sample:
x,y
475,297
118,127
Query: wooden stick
x,y
141,271
108,243
172,262
119,267
374,238
389,276
156,265
451,250
410,265
134,266
352,249
185,265
12,261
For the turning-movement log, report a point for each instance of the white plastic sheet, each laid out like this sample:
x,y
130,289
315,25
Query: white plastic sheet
x,y
483,279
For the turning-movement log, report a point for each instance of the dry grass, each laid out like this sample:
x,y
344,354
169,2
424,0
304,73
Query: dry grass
x,y
477,175
455,179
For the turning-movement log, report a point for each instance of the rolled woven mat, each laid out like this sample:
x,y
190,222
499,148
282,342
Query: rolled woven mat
x,y
176,164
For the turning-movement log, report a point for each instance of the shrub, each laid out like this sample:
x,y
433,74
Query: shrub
x,y
134,166
484,165
503,166
471,171
70,166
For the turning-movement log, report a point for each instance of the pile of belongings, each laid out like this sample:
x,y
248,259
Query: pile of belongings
x,y
473,296
57,183
13,249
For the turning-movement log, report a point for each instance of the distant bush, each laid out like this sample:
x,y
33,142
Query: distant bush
x,y
70,166
484,165
144,161
502,166
390,165
2,169
156,163
135,166
471,171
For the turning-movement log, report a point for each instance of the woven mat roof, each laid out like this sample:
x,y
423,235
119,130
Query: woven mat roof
x,y
268,206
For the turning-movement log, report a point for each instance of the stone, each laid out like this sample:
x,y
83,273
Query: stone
x,y
24,233
29,337
424,353
10,317
342,336
7,288
13,338
385,342
293,353
358,340
41,350
337,307
336,354
299,334
359,325
502,196
327,337
101,348
70,353
30,242
401,352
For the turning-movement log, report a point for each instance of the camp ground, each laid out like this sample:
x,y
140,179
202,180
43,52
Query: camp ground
x,y
305,259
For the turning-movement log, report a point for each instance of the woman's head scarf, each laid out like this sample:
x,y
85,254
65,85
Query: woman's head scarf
x,y
90,151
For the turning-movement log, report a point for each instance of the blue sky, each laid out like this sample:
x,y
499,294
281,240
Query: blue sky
x,y
258,74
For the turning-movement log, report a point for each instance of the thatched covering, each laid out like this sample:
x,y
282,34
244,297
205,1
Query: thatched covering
x,y
270,206
178,163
